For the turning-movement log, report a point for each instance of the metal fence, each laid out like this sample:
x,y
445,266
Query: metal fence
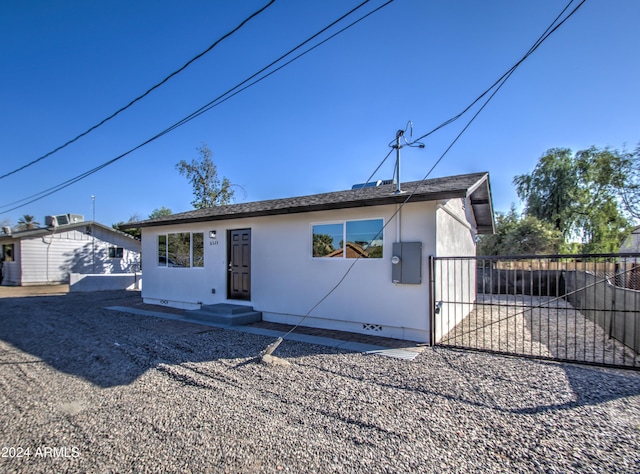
x,y
576,308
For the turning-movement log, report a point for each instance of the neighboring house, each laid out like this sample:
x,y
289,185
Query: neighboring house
x,y
286,257
50,254
629,271
632,243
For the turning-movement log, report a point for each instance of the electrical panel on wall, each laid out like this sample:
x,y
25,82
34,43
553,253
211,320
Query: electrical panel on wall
x,y
406,263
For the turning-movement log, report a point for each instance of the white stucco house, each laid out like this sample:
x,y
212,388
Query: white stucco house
x,y
49,255
354,260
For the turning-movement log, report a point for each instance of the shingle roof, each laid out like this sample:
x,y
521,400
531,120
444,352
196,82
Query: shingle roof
x,y
475,186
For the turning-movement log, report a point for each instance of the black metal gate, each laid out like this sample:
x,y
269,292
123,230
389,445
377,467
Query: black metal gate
x,y
573,308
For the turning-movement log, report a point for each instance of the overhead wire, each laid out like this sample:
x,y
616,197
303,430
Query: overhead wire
x,y
230,93
497,86
549,31
215,102
146,93
377,169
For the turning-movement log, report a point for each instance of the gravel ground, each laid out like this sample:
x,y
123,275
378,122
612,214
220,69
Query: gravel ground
x,y
85,389
538,326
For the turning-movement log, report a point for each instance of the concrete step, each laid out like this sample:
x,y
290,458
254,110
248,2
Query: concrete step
x,y
225,308
225,313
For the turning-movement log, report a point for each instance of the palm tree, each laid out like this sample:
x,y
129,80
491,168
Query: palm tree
x,y
27,222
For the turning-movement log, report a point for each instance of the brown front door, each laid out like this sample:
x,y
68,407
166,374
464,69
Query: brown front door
x,y
239,260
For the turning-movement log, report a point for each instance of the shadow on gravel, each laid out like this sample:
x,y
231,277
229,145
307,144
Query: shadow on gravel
x,y
541,386
507,384
75,334
536,385
591,386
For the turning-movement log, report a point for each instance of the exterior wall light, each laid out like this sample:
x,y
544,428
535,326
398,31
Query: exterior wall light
x,y
212,234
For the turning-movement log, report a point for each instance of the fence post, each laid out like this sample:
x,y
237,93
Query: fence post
x,y
432,301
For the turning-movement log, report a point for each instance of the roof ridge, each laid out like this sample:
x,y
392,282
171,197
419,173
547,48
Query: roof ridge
x,y
430,189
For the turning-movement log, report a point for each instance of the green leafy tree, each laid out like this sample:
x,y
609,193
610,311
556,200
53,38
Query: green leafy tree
x,y
178,249
374,252
582,195
136,231
551,192
517,235
161,212
322,245
631,195
27,222
605,231
133,232
209,190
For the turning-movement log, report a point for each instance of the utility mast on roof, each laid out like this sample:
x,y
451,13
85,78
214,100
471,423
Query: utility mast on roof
x,y
397,146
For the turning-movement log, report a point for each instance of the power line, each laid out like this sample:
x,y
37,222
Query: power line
x,y
376,170
548,32
230,93
217,101
499,85
163,81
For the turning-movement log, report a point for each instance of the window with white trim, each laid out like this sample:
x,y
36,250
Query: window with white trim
x,y
348,239
181,250
116,252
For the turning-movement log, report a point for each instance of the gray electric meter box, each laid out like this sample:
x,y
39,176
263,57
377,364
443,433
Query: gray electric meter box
x,y
406,263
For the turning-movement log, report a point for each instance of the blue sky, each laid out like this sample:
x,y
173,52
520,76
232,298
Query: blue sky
x,y
322,123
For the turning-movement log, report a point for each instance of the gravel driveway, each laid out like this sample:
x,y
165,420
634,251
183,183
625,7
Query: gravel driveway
x,y
538,326
86,389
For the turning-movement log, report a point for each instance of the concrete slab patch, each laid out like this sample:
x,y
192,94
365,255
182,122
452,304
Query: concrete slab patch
x,y
405,354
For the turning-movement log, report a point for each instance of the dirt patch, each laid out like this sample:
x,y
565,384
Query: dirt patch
x,y
35,290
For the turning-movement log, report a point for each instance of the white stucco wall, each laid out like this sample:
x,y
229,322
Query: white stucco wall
x,y
455,279
287,282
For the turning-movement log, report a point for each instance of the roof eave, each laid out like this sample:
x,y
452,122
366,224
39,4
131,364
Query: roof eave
x,y
40,231
481,200
377,201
